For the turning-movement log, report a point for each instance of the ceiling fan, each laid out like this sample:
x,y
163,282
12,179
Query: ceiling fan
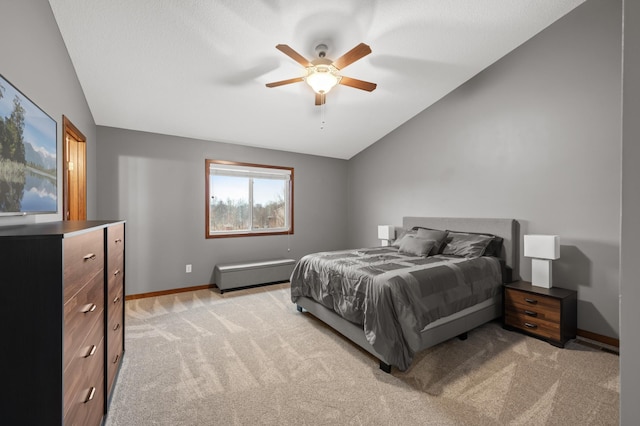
x,y
323,74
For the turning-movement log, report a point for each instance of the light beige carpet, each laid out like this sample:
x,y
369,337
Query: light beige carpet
x,y
249,358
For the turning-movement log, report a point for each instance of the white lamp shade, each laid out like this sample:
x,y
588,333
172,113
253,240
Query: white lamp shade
x,y
322,78
542,246
386,232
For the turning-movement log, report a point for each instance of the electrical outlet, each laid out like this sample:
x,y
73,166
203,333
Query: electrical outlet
x,y
188,269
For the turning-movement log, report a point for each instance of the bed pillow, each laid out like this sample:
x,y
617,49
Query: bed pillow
x,y
435,235
413,245
404,233
466,244
495,246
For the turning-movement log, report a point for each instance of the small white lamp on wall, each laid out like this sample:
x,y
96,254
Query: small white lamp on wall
x,y
542,249
386,233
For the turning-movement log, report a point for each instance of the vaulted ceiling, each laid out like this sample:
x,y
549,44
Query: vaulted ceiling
x,y
198,68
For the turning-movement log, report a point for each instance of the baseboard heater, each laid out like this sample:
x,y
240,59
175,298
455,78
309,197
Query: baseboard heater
x,y
244,274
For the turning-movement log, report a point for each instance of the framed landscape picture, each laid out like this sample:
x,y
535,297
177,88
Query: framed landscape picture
x,y
28,148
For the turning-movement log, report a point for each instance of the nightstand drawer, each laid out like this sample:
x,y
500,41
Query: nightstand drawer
x,y
546,329
533,305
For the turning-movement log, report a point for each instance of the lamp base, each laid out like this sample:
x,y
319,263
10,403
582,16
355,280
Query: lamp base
x,y
384,243
541,273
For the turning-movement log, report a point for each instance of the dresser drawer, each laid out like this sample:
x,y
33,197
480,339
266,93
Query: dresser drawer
x,y
115,343
115,292
83,259
115,309
115,272
115,239
84,390
115,301
114,331
81,313
80,362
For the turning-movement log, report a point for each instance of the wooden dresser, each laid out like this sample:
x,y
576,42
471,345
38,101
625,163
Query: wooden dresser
x,y
62,310
547,313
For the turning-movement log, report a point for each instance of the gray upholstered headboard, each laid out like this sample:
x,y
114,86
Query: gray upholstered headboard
x,y
508,229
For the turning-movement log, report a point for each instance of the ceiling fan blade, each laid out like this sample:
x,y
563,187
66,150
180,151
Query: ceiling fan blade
x,y
283,82
358,84
293,55
360,51
320,99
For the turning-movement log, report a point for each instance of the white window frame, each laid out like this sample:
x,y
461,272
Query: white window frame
x,y
232,168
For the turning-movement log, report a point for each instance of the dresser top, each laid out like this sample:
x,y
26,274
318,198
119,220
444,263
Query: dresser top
x,y
58,229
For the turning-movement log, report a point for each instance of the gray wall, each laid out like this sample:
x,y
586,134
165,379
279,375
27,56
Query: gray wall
x,y
630,230
535,137
156,183
35,60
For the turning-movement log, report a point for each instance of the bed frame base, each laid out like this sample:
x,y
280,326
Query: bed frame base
x,y
385,367
431,337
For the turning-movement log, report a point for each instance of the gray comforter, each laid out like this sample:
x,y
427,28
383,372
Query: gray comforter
x,y
392,295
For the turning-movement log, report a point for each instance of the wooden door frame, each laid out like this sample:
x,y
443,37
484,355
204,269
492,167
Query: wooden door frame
x,y
68,128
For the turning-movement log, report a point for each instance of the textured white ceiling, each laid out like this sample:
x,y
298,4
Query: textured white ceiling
x,y
198,68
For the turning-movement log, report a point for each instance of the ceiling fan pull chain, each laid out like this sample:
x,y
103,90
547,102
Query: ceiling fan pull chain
x,y
322,107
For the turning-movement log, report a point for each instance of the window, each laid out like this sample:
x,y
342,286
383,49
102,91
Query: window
x,y
247,199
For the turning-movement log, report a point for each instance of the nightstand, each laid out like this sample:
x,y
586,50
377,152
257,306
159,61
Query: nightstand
x,y
550,314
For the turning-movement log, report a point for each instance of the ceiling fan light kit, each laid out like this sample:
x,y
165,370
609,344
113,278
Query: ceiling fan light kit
x,y
322,75
322,78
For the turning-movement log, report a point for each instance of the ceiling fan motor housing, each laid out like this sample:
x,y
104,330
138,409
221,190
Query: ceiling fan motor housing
x,y
321,50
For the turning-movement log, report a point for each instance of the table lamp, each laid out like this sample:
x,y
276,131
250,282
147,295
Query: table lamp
x,y
542,249
386,233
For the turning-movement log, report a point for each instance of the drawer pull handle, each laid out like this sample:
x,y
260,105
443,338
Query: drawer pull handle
x,y
532,301
529,325
90,256
92,393
531,313
118,240
89,308
116,272
117,326
92,351
117,299
115,360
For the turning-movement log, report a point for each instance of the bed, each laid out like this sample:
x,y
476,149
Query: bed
x,y
396,301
